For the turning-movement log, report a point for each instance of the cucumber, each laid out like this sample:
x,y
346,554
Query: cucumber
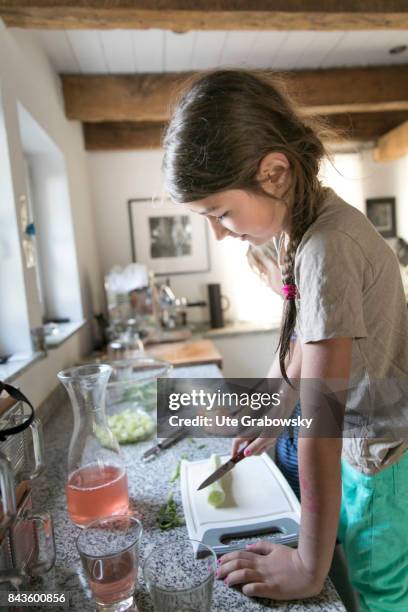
x,y
216,493
131,426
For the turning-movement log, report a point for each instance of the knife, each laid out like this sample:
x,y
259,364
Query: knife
x,y
224,469
166,443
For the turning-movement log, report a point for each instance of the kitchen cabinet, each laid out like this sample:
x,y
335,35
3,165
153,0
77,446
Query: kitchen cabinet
x,y
247,350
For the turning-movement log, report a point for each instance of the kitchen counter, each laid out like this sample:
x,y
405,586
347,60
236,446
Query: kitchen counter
x,y
148,488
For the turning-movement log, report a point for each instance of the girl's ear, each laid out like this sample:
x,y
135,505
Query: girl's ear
x,y
273,171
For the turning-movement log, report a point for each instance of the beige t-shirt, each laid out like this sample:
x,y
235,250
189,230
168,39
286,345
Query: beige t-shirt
x,y
350,285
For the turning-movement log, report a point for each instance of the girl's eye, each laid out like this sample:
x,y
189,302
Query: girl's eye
x,y
221,217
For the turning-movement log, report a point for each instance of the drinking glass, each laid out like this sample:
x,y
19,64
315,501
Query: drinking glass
x,y
180,576
109,552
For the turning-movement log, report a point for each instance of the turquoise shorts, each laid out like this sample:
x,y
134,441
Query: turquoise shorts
x,y
373,529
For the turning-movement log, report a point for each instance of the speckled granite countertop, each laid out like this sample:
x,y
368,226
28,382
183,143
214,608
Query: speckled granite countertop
x,y
148,487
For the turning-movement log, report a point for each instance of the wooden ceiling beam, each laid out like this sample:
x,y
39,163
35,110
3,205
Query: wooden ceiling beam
x,y
141,97
121,136
146,97
185,15
364,127
392,145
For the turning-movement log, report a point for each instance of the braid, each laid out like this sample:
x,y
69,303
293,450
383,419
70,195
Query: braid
x,y
304,213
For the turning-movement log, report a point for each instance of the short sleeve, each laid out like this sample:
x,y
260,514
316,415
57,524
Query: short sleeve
x,y
329,274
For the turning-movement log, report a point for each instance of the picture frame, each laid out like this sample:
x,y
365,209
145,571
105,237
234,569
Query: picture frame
x,y
168,238
382,214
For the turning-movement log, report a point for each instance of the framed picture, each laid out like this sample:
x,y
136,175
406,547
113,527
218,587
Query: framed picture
x,y
168,238
381,212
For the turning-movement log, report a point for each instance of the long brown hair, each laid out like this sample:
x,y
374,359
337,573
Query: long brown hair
x,y
220,130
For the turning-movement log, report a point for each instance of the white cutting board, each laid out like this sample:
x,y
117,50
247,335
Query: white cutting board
x,y
257,494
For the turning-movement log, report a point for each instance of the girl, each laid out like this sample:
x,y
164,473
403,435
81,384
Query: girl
x,y
237,152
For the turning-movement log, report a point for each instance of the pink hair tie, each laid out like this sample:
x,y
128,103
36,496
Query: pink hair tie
x,y
289,291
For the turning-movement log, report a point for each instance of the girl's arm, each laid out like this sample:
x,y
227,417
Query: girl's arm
x,y
319,458
293,362
279,572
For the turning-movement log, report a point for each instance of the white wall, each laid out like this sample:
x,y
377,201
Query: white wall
x,y
26,76
342,172
357,177
387,179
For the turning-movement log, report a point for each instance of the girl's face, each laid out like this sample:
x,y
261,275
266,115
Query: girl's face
x,y
247,216
250,216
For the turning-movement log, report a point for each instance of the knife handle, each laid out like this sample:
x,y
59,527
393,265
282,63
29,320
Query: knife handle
x,y
239,456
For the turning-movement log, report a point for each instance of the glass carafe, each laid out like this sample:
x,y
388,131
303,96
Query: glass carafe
x,y
97,482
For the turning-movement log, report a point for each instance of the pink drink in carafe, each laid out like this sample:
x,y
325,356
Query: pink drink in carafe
x,y
94,492
97,484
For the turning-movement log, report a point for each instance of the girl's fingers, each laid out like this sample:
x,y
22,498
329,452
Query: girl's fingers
x,y
238,554
230,567
225,570
237,443
261,548
257,589
243,576
257,447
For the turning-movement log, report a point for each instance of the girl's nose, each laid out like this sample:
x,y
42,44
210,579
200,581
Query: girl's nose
x,y
219,230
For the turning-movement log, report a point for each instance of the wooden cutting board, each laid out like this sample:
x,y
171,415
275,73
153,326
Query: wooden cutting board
x,y
192,352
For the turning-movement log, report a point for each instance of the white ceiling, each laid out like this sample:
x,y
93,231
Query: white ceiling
x,y
132,51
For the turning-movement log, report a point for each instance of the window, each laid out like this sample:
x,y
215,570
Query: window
x,y
49,225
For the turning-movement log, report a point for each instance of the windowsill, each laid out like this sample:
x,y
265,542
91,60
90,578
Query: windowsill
x,y
17,365
63,331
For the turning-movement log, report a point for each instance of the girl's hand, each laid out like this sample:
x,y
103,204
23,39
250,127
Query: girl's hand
x,y
268,570
252,447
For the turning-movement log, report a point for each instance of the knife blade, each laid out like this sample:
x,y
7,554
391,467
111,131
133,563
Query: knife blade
x,y
224,469
166,443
